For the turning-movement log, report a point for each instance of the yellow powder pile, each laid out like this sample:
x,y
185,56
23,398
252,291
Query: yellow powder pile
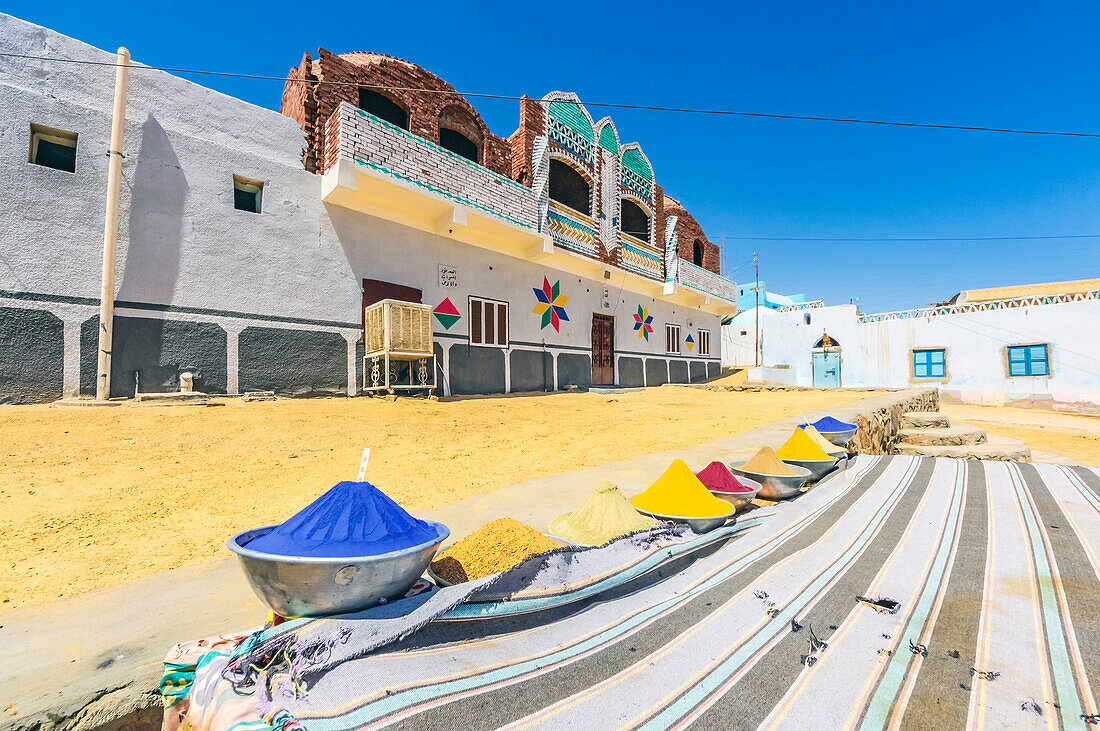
x,y
605,514
766,462
821,441
494,547
679,492
801,446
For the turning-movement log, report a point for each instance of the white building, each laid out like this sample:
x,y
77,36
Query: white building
x,y
1037,343
251,240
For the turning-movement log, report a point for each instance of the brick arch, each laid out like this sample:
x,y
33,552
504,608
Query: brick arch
x,y
688,231
311,104
459,118
585,173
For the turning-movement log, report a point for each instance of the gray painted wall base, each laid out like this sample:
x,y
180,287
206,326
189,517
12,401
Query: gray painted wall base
x,y
531,370
656,371
32,356
631,372
293,362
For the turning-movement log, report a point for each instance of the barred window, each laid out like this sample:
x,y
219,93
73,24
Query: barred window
x,y
488,323
672,338
704,342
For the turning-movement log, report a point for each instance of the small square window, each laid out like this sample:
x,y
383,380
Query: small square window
x,y
247,194
53,148
929,363
1028,360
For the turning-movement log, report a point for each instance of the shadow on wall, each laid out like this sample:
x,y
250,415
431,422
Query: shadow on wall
x,y
151,268
158,194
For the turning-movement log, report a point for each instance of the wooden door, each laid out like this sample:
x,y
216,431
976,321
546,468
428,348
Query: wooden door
x,y
603,350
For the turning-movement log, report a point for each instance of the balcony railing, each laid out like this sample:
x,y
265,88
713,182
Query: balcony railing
x,y
386,149
641,257
571,229
703,280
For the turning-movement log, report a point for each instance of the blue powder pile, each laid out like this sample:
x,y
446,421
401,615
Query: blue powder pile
x,y
829,424
350,519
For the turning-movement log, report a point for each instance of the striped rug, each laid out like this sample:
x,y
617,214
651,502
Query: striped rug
x,y
903,592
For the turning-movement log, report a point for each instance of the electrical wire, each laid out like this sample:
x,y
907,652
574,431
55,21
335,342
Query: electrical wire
x,y
612,105
944,238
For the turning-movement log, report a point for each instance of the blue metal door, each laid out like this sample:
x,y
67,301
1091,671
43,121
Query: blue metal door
x,y
827,369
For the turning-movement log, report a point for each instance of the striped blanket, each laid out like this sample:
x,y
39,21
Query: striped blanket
x,y
903,591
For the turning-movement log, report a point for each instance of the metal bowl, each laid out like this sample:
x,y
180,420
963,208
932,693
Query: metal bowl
x,y
839,438
305,586
775,487
739,499
699,525
818,467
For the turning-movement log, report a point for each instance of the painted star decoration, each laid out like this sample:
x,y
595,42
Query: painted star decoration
x,y
643,322
551,304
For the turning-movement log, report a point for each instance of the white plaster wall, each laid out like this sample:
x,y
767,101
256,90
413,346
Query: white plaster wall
x,y
380,249
180,239
878,353
739,351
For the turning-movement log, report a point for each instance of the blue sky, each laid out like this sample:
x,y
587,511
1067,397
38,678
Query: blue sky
x,y
1001,64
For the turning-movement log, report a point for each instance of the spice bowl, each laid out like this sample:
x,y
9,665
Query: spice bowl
x,y
308,586
697,524
818,467
839,438
775,487
740,499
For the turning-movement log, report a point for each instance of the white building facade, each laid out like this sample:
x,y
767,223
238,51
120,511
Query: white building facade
x,y
272,298
1040,350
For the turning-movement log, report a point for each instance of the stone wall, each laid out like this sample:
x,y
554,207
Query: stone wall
x,y
879,418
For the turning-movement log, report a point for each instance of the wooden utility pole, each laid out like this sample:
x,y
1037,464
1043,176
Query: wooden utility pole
x,y
756,286
110,228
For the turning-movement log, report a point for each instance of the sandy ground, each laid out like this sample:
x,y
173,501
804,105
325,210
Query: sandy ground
x,y
1068,435
92,497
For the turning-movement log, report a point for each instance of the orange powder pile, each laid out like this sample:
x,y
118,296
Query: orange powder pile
x,y
767,462
801,446
821,441
679,492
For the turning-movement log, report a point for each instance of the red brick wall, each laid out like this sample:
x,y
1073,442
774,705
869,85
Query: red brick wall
x,y
312,104
687,231
532,121
299,104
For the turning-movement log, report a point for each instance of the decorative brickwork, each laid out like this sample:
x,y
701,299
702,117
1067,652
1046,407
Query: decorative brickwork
x,y
532,123
688,231
427,110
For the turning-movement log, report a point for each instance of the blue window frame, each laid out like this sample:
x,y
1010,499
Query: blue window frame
x,y
1028,360
929,363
